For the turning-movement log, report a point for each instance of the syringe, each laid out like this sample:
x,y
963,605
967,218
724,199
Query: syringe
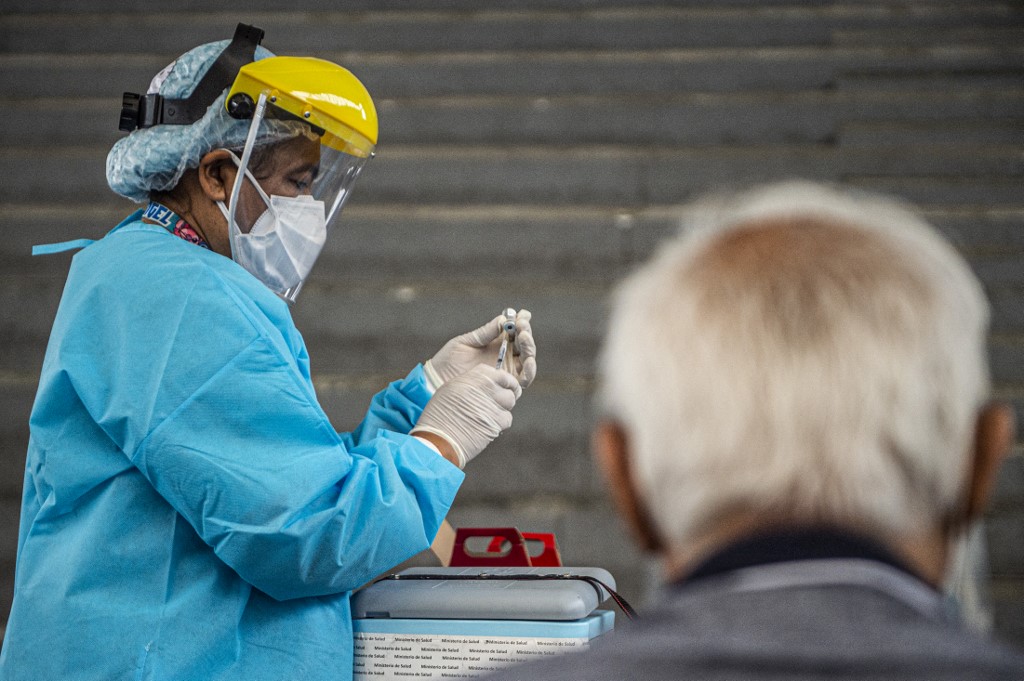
x,y
508,335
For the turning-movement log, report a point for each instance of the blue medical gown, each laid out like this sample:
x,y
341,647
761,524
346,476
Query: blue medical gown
x,y
189,511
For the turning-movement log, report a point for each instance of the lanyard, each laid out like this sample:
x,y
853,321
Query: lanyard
x,y
159,214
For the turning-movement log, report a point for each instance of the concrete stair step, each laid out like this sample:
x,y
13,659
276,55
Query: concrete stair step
x,y
1009,489
71,7
1008,132
1006,554
951,80
16,394
614,176
545,73
447,30
930,104
950,191
1005,28
683,119
1006,354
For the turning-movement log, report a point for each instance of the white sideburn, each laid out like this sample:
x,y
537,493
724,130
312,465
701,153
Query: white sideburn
x,y
285,241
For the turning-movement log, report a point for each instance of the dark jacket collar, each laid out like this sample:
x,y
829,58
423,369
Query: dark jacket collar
x,y
793,544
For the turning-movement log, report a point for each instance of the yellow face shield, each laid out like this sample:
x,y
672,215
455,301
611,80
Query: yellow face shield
x,y
313,128
319,92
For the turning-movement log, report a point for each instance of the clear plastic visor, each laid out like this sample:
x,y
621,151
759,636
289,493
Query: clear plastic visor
x,y
289,158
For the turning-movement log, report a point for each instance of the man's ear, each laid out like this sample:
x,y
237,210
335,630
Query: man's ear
x,y
217,174
611,450
993,438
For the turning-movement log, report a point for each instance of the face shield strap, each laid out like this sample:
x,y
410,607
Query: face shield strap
x,y
243,166
145,111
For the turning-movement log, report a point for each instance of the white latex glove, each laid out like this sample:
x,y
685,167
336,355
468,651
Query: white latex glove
x,y
471,409
480,346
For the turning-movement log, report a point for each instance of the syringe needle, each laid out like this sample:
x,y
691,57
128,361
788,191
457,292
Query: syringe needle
x,y
508,333
501,352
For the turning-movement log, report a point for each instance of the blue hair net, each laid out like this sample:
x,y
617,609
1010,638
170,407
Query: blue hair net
x,y
154,159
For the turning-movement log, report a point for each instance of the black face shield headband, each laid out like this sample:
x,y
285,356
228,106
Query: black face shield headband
x,y
145,111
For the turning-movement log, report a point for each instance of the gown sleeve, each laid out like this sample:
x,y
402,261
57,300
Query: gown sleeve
x,y
396,408
207,402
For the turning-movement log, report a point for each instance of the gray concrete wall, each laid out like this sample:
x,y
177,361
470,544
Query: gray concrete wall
x,y
555,140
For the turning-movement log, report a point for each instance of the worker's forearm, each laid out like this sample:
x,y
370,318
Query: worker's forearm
x,y
443,446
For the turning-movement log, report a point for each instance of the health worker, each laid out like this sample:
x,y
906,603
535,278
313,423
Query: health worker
x,y
189,511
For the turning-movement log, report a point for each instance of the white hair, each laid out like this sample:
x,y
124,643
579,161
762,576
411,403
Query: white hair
x,y
803,353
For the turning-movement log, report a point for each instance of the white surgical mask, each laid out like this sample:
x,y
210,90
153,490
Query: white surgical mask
x,y
285,241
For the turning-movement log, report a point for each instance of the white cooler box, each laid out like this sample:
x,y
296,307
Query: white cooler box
x,y
451,623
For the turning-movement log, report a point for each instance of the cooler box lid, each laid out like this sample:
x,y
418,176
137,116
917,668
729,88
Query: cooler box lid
x,y
411,596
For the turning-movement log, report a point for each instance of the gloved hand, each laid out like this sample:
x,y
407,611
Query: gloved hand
x,y
471,409
480,346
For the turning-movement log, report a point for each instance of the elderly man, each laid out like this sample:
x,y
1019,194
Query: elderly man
x,y
796,420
